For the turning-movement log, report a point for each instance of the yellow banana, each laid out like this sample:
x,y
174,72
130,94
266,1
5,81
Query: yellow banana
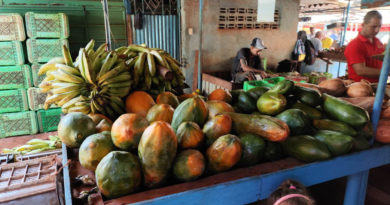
x,y
114,72
98,61
71,102
85,63
98,107
78,63
121,50
69,69
65,89
47,67
90,45
45,86
108,62
138,48
151,64
56,60
139,66
67,77
159,58
83,109
67,56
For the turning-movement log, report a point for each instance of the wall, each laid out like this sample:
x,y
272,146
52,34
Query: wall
x,y
221,45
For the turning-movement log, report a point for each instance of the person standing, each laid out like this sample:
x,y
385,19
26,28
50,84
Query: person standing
x,y
317,41
248,62
360,50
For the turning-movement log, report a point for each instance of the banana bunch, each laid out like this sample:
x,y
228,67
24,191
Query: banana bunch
x,y
145,64
35,146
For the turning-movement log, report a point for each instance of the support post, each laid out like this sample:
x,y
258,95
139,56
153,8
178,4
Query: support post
x,y
200,45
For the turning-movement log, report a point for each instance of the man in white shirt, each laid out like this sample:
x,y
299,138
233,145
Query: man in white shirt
x,y
317,41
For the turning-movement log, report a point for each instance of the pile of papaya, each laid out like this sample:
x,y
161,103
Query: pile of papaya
x,y
182,138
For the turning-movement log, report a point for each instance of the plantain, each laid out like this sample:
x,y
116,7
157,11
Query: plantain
x,y
151,64
64,76
114,72
87,67
108,62
67,56
46,67
69,69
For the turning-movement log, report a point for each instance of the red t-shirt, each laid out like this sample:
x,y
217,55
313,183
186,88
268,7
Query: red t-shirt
x,y
360,50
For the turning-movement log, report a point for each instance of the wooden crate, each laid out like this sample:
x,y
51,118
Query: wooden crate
x,y
13,100
11,53
43,50
42,25
18,123
216,80
14,77
11,27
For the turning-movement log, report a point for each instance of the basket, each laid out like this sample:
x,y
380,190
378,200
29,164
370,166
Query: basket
x,y
34,72
14,77
13,100
36,99
11,53
48,119
47,25
11,27
268,82
43,50
18,123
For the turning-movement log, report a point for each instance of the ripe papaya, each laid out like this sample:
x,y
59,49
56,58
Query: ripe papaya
x,y
270,128
283,87
312,112
337,126
163,112
189,135
337,143
216,106
306,148
220,94
308,96
344,112
156,151
253,148
189,165
168,98
193,109
217,126
271,103
297,121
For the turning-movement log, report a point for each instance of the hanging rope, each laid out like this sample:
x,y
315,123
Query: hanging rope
x,y
107,28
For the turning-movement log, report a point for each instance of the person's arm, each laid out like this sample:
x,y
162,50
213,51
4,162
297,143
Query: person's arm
x,y
246,68
363,70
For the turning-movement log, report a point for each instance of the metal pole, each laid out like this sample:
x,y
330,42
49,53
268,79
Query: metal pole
x,y
107,28
200,45
345,24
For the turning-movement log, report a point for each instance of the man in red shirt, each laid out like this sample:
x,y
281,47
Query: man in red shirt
x,y
360,50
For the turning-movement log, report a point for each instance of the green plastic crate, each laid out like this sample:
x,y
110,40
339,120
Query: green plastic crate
x,y
14,77
47,25
18,123
34,71
268,82
13,100
36,99
48,119
11,53
11,27
43,50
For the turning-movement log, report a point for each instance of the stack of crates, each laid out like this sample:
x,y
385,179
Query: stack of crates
x,y
21,102
47,34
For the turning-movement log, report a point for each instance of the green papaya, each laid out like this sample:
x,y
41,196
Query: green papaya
x,y
253,147
308,96
284,87
360,143
246,103
271,103
257,91
337,126
235,93
192,109
273,151
337,143
312,112
297,120
306,148
344,112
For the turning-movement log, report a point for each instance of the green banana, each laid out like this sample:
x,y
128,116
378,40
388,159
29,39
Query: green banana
x,y
120,78
67,56
151,64
112,73
108,62
85,63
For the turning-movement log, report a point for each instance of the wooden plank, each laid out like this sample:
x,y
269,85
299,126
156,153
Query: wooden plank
x,y
261,186
195,75
129,29
217,81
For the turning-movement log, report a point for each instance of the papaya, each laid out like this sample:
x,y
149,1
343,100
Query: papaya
x,y
189,165
96,118
283,87
94,148
163,112
220,94
139,102
235,93
271,103
313,113
168,98
270,128
306,148
308,96
224,153
344,112
74,128
127,130
326,124
189,135
217,126
104,125
216,106
291,100
118,174
185,96
273,151
297,121
246,103
253,148
193,109
360,143
156,151
257,91
336,142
